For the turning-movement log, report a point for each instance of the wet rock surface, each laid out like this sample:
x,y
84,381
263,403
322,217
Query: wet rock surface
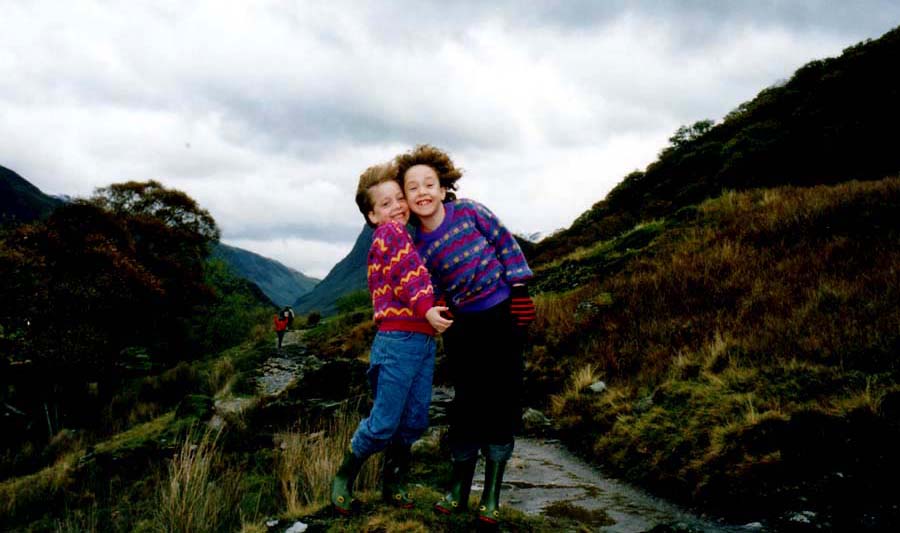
x,y
543,477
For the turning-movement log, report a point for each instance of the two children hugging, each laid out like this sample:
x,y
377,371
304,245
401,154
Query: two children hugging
x,y
479,270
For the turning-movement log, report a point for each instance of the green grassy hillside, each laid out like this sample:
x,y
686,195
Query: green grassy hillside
x,y
829,123
750,344
739,297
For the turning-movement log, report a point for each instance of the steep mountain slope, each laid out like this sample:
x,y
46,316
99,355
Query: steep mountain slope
x,y
347,276
739,299
282,284
832,121
20,201
750,351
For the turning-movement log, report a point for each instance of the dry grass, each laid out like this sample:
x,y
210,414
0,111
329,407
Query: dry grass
x,y
79,522
379,523
579,380
221,376
773,312
306,462
867,398
253,528
199,495
558,314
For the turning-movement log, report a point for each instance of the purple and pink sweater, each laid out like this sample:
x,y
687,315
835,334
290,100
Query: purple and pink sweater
x,y
472,257
398,281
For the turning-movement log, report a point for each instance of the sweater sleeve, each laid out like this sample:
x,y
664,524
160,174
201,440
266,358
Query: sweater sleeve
x,y
515,266
407,272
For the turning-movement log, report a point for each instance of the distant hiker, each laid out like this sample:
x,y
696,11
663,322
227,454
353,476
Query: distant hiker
x,y
477,265
401,361
288,312
281,325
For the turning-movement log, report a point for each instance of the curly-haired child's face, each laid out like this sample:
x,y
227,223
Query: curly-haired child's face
x,y
423,191
388,203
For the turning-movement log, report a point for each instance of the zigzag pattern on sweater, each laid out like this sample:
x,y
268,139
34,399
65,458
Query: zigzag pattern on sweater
x,y
386,288
393,312
419,271
398,280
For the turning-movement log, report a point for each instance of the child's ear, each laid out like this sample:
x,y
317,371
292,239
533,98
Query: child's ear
x,y
372,217
443,193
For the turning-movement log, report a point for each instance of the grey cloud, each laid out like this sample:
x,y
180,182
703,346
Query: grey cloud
x,y
344,232
310,93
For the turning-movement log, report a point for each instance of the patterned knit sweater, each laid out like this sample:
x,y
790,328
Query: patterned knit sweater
x,y
398,281
472,257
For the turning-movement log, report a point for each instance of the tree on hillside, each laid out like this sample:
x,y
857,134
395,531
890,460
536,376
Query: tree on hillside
x,y
173,236
686,134
121,273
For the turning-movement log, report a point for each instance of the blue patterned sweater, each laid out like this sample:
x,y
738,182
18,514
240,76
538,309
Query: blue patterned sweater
x,y
473,259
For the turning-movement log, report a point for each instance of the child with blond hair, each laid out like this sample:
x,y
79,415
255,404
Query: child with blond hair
x,y
401,360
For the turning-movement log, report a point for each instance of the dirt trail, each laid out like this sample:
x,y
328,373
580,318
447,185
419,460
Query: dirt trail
x,y
276,374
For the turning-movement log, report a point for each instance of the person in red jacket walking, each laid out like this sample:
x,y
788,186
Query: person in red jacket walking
x,y
281,324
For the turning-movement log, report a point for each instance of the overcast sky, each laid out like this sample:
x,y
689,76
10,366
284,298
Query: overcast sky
x,y
267,112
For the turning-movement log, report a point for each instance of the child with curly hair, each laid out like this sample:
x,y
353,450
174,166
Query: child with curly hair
x,y
477,266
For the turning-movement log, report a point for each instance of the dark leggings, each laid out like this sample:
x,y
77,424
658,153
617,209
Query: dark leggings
x,y
484,351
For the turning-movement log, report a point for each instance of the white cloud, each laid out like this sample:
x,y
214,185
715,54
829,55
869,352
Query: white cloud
x,y
266,113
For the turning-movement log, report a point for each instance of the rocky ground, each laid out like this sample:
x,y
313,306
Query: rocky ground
x,y
543,477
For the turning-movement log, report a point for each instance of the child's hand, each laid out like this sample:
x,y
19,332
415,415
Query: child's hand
x,y
442,302
439,323
522,306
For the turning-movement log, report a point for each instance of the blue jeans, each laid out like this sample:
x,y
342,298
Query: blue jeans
x,y
401,367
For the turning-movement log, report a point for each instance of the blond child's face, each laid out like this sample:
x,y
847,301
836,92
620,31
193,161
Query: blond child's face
x,y
423,191
388,203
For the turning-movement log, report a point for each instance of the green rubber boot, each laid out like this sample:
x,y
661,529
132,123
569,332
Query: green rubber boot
x,y
457,498
489,509
342,486
393,482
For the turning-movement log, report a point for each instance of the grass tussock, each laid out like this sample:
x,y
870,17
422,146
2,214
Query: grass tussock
x,y
79,521
306,462
27,492
199,494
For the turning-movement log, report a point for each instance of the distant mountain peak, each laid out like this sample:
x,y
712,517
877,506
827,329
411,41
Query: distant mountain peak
x,y
281,283
22,202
